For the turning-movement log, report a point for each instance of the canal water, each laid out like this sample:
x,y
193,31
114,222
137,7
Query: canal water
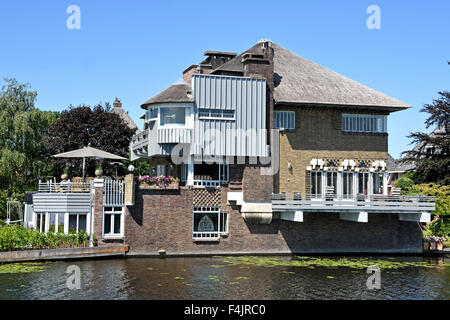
x,y
244,277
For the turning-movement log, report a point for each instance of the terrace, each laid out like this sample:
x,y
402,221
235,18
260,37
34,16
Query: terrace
x,y
66,204
355,208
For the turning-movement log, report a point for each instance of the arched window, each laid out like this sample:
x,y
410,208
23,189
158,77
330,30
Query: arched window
x,y
205,224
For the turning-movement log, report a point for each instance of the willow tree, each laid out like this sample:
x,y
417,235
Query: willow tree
x,y
22,127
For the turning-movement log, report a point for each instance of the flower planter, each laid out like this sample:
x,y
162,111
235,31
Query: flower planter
x,y
169,186
439,246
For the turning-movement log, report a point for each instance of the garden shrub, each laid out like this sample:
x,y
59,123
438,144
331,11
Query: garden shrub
x,y
404,183
17,237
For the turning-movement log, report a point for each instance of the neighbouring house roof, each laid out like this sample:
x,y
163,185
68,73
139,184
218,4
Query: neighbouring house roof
x,y
394,165
180,92
298,80
117,108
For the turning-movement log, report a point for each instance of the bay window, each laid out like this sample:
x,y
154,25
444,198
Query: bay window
x,y
172,116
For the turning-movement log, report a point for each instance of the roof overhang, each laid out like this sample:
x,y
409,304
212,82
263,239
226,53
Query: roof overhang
x,y
343,106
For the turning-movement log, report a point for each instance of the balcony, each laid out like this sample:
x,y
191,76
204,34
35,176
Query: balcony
x,y
356,208
139,143
174,135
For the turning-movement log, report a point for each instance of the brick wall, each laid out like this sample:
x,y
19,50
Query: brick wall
x,y
162,219
318,134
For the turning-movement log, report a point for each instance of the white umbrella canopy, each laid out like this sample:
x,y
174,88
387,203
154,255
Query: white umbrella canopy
x,y
88,152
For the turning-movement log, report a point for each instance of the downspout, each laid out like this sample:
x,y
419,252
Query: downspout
x,y
91,240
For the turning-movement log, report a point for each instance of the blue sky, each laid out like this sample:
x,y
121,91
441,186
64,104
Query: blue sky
x,y
135,49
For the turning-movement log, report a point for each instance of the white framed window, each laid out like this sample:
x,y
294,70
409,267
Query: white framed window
x,y
377,180
172,116
347,184
40,221
363,183
316,184
112,222
208,223
77,222
284,120
332,177
220,114
364,123
151,113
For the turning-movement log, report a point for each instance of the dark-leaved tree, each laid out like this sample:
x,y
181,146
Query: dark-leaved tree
x,y
83,126
431,152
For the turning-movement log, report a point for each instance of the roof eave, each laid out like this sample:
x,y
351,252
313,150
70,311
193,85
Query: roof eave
x,y
360,106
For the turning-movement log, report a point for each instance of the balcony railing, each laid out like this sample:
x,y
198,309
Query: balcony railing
x,y
113,193
64,187
207,183
140,140
339,203
205,236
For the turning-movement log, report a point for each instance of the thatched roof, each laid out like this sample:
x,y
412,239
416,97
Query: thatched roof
x,y
394,165
300,81
117,108
179,92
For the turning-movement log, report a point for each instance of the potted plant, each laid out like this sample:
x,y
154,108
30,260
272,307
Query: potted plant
x,y
158,182
65,174
98,171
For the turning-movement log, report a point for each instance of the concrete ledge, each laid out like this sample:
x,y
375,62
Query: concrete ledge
x,y
63,254
354,216
143,254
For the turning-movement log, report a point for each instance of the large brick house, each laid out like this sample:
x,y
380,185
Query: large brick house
x,y
275,154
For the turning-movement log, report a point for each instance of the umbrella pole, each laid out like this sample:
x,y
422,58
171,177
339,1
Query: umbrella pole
x,y
84,164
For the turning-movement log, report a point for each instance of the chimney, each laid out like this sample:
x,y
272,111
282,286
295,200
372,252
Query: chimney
x,y
259,64
187,74
117,103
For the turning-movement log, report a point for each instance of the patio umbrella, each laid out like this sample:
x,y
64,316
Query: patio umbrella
x,y
88,152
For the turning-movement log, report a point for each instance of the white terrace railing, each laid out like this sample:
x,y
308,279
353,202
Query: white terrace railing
x,y
205,236
206,183
64,187
372,203
113,193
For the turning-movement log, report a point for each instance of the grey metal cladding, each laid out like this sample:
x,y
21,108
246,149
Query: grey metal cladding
x,y
245,135
61,202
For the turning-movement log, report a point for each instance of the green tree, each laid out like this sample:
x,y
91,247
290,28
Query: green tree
x,y
431,152
22,127
81,126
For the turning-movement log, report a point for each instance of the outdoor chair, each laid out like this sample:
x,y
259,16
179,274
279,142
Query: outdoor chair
x,y
77,184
